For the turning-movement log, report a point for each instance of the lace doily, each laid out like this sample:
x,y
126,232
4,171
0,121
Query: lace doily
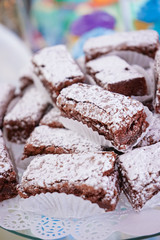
x,y
99,226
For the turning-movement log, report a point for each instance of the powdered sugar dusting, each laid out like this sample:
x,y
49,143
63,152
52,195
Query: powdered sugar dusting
x,y
112,69
142,166
84,168
56,65
6,95
52,118
28,108
66,139
120,41
5,163
153,134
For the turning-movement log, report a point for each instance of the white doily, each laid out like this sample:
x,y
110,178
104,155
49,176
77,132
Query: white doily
x,y
99,226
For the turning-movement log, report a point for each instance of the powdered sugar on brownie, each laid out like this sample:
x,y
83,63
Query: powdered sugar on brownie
x,y
140,41
112,69
28,108
55,64
139,170
142,165
8,179
25,116
89,175
54,140
118,118
5,164
6,95
88,167
109,108
153,134
52,118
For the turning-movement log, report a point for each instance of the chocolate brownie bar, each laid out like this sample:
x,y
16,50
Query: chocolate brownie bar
x,y
26,78
26,114
153,134
118,118
144,41
7,93
139,170
116,75
91,176
8,178
56,69
52,119
45,140
157,77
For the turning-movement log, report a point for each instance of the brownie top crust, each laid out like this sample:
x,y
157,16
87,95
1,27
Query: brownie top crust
x,y
89,168
56,65
29,108
146,40
112,109
112,69
141,166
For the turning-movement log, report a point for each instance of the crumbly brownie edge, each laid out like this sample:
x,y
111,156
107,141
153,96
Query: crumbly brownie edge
x,y
9,190
30,150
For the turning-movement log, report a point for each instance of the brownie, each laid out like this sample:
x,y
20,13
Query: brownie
x,y
116,75
144,41
118,118
157,77
45,140
139,171
25,82
52,119
7,93
26,77
56,69
150,104
8,177
91,176
153,134
26,114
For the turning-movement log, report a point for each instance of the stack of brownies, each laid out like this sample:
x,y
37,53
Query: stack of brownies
x,y
92,138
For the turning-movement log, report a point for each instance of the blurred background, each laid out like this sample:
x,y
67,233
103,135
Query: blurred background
x,y
47,22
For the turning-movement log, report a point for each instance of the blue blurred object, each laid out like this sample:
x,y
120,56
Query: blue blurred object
x,y
77,50
156,27
150,11
93,20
